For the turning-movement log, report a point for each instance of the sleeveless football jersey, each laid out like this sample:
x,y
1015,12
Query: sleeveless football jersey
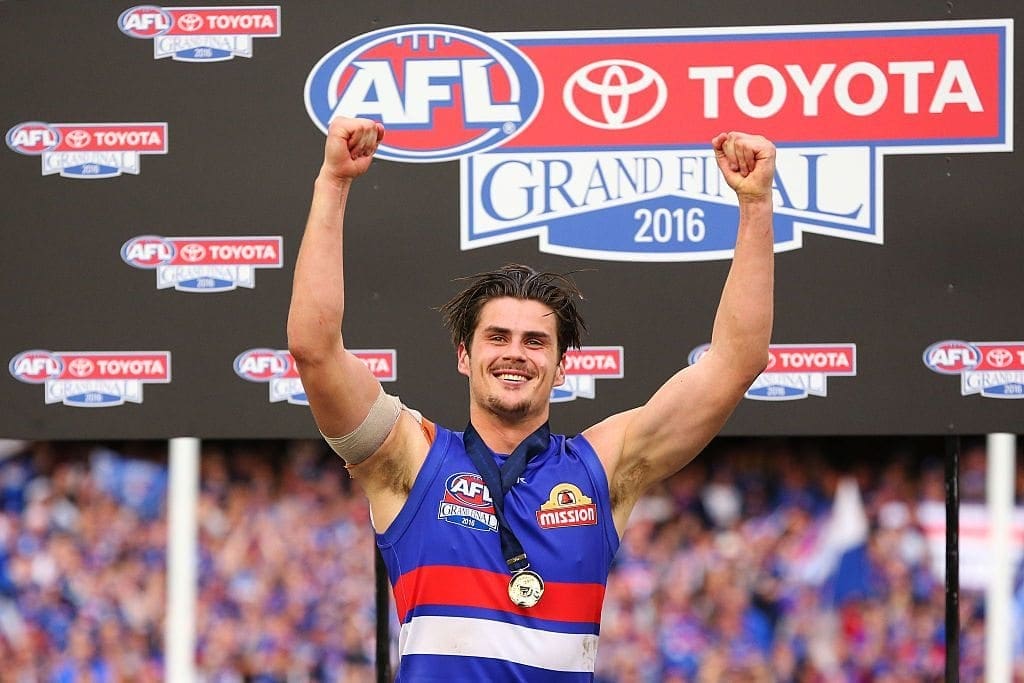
x,y
450,580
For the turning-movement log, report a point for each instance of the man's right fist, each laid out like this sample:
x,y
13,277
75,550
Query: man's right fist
x,y
747,162
351,144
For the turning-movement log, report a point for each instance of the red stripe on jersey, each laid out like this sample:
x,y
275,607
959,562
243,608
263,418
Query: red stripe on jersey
x,y
467,587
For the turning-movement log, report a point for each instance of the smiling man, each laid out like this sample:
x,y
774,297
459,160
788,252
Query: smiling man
x,y
498,539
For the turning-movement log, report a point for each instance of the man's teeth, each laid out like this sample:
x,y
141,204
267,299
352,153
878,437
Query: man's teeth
x,y
511,378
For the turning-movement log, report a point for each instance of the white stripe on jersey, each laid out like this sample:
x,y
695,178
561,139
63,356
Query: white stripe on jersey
x,y
466,637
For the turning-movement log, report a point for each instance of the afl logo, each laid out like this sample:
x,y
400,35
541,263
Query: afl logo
x,y
148,251
33,138
467,488
144,21
443,92
261,365
615,94
951,357
36,366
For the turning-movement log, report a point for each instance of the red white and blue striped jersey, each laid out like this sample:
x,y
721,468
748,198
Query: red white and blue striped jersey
x,y
450,580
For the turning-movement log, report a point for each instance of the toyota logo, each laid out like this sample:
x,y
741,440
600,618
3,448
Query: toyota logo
x,y
190,22
80,367
78,138
615,84
999,358
192,252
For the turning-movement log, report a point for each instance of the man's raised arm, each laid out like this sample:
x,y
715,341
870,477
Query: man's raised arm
x,y
647,444
339,386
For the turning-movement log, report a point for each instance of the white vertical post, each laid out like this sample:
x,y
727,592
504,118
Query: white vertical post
x,y
182,563
1000,478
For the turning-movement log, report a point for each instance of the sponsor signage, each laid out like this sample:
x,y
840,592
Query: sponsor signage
x,y
88,150
987,369
201,34
277,369
92,379
583,367
203,264
796,371
596,143
567,506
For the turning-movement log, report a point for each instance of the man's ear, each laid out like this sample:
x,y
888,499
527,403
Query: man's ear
x,y
463,355
560,373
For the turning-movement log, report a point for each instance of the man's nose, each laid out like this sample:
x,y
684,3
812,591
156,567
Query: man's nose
x,y
515,349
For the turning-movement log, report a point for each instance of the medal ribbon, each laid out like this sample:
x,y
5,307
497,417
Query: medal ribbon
x,y
499,481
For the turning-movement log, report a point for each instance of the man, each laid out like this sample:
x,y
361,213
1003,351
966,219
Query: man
x,y
499,574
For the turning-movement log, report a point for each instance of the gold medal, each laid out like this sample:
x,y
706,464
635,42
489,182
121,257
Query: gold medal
x,y
525,588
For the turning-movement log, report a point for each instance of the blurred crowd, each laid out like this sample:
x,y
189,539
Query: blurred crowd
x,y
742,567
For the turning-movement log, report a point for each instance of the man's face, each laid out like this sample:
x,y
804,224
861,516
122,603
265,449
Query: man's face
x,y
512,362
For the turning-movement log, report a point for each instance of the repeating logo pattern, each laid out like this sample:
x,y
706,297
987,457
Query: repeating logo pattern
x,y
277,368
796,371
595,144
203,264
583,367
201,34
88,150
988,369
92,379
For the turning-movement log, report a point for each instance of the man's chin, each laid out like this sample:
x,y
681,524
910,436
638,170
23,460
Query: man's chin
x,y
508,411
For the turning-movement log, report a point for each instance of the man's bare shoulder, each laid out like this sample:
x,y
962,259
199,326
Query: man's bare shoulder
x,y
394,466
608,436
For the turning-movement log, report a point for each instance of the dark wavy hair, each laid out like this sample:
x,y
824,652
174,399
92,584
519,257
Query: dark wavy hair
x,y
558,292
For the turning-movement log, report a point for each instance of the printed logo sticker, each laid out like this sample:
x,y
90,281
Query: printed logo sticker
x,y
277,369
796,371
88,150
92,379
566,506
583,367
203,264
596,143
201,34
467,503
991,369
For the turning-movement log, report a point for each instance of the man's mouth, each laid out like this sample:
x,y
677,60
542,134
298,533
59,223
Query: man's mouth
x,y
511,376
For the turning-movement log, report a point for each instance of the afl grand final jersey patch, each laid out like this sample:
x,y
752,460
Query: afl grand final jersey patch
x,y
467,503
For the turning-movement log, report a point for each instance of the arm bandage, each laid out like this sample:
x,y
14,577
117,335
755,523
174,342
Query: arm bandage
x,y
364,440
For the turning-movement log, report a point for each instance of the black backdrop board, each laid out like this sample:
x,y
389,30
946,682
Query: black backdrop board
x,y
221,150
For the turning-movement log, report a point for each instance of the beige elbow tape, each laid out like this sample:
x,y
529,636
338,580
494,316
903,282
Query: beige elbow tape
x,y
364,440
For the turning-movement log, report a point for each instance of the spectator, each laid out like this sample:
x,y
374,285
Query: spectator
x,y
705,587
